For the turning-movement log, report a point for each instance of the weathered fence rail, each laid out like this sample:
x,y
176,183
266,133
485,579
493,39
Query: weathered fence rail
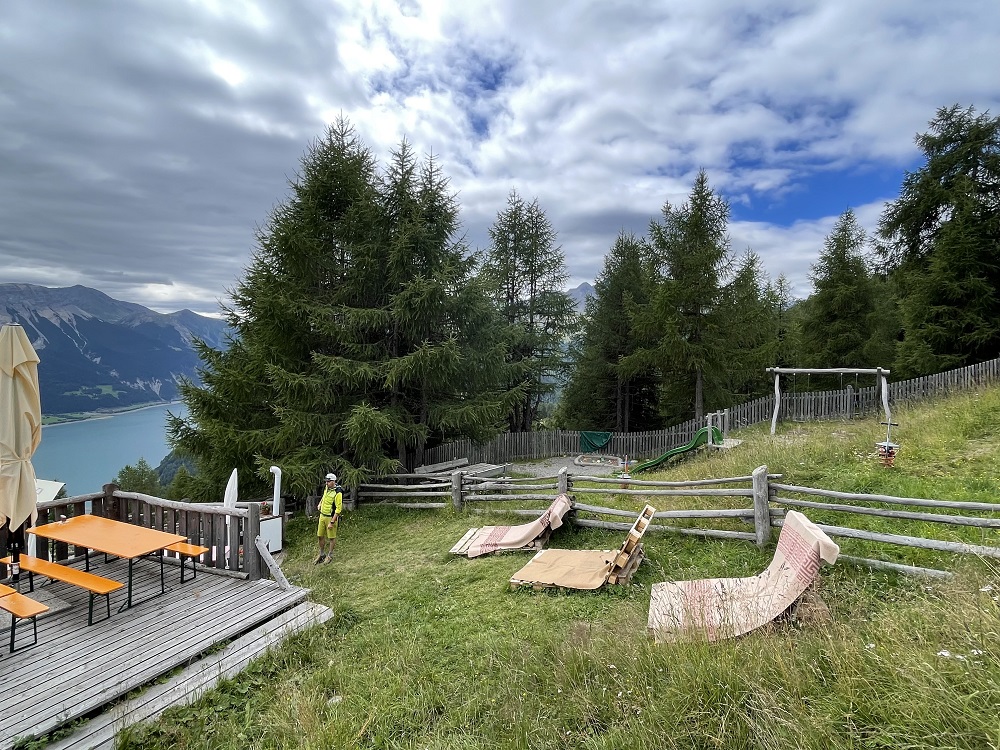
x,y
849,402
769,500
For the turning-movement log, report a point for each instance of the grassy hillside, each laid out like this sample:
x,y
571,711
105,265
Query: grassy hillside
x,y
432,651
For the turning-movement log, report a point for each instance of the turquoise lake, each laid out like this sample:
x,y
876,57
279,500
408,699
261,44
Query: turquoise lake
x,y
88,454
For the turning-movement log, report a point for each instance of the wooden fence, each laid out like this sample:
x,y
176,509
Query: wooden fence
x,y
751,507
796,406
229,533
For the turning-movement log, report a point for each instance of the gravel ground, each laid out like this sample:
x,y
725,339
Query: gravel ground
x,y
551,466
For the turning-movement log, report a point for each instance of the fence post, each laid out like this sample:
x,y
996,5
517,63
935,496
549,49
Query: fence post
x,y
456,490
563,481
761,507
251,555
352,499
725,424
110,503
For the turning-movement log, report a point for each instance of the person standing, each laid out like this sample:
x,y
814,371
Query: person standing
x,y
330,507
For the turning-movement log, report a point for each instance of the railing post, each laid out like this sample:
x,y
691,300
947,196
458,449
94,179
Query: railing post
x,y
456,490
563,480
251,555
761,507
113,507
352,499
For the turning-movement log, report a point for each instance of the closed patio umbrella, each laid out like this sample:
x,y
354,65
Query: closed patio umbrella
x,y
20,433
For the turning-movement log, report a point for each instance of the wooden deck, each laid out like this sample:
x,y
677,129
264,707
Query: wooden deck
x,y
75,670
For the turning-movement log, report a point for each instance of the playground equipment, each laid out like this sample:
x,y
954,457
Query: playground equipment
x,y
887,449
701,437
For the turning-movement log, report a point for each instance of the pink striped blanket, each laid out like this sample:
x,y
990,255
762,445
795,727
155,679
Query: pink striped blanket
x,y
715,608
492,538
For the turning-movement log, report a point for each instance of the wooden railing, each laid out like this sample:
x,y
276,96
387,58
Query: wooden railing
x,y
229,533
758,502
797,406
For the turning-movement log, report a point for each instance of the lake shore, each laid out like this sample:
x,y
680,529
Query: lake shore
x,y
54,420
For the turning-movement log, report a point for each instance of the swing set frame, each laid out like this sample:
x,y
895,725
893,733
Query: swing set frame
x,y
878,372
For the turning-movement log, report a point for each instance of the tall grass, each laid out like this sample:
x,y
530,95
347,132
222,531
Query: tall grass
x,y
428,650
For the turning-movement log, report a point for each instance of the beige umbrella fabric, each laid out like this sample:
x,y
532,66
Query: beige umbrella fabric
x,y
20,426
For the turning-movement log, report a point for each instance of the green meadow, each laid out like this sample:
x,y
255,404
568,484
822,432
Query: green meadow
x,y
429,650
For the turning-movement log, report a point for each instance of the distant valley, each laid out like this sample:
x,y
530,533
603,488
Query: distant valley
x,y
102,354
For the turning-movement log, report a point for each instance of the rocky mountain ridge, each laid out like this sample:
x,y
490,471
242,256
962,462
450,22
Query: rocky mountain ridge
x,y
98,353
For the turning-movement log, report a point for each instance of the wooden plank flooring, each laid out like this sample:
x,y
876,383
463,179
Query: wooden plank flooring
x,y
75,669
192,682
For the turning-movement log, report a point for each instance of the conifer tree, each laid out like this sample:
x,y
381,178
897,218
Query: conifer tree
x,y
941,241
600,395
682,332
525,271
750,336
360,335
838,324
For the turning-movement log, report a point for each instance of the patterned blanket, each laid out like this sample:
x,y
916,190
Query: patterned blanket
x,y
715,608
492,538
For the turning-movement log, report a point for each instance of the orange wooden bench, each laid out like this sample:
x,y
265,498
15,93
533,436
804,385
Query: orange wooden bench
x,y
185,550
95,585
20,607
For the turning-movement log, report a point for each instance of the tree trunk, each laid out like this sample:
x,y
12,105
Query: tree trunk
x,y
699,396
619,405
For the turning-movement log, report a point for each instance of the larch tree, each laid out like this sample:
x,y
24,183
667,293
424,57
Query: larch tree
x,y
941,245
359,335
525,271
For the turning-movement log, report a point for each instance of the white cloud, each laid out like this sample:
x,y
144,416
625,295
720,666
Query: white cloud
x,y
143,143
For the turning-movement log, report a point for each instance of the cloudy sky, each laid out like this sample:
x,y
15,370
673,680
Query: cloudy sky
x,y
142,141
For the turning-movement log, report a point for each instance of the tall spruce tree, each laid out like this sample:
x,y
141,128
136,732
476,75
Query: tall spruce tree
x,y
600,395
941,244
751,305
525,271
682,332
838,324
360,334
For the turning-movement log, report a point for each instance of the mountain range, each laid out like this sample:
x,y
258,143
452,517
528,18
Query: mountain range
x,y
580,295
101,354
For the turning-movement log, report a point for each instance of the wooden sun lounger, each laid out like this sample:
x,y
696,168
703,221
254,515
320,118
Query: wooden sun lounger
x,y
462,547
95,585
587,569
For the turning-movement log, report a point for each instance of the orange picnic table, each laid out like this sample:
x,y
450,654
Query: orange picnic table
x,y
111,537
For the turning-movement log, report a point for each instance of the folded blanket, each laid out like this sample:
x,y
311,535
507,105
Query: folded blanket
x,y
714,608
492,538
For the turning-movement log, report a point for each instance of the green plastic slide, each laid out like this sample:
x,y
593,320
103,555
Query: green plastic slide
x,y
700,438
